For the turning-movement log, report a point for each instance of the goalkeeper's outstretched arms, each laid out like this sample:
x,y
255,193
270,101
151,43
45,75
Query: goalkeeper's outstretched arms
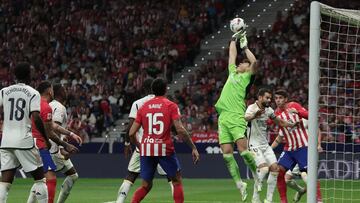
x,y
251,65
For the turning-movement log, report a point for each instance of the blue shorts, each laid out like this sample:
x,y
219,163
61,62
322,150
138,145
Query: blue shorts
x,y
288,159
48,163
148,165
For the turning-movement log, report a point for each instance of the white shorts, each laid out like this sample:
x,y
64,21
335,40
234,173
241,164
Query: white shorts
x,y
264,155
134,164
62,165
29,159
294,172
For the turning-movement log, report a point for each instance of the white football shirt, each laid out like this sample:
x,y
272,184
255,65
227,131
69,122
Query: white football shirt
x,y
257,131
19,101
134,109
59,115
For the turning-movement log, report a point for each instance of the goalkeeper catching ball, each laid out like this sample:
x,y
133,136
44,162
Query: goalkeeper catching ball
x,y
231,108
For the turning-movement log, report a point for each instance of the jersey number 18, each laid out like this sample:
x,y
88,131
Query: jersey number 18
x,y
19,112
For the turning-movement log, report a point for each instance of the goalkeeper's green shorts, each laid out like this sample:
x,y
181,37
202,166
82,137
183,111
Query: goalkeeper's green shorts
x,y
232,126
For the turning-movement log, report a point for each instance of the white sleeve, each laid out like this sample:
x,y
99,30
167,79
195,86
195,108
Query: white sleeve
x,y
58,114
35,102
271,113
133,111
250,111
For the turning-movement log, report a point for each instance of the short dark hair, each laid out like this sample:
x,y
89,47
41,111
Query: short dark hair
x,y
43,86
262,91
22,71
282,92
147,85
158,87
58,88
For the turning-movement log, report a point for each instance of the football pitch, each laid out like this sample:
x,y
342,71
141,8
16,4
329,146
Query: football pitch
x,y
88,190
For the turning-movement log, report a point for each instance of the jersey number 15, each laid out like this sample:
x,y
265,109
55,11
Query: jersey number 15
x,y
155,125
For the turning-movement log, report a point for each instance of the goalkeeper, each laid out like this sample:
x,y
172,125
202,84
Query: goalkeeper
x,y
231,109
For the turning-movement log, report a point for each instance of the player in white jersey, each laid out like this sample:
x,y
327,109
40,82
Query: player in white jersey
x,y
21,103
58,153
134,164
257,115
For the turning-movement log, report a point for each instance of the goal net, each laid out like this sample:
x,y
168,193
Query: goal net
x,y
334,103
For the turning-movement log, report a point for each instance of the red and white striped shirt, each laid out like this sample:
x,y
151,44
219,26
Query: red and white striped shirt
x,y
296,137
156,117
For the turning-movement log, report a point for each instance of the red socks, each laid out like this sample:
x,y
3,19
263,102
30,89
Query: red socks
x,y
318,192
139,195
281,184
51,185
178,193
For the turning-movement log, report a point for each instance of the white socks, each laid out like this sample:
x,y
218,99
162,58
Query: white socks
x,y
66,187
262,173
39,191
4,189
304,176
123,191
271,182
293,185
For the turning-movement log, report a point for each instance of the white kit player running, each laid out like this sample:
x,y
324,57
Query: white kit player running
x,y
21,103
134,163
59,155
257,115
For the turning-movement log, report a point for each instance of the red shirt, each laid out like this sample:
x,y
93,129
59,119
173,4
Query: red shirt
x,y
296,137
46,116
156,117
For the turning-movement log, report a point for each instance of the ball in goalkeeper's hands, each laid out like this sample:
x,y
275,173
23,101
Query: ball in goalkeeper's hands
x,y
237,24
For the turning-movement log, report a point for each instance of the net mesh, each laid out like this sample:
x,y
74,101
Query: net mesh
x,y
339,104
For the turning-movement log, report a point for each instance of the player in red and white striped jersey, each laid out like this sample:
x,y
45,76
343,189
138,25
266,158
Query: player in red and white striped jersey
x,y
156,117
296,141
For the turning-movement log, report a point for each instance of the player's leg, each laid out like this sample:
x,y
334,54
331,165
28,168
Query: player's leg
x,y
49,172
274,172
291,183
133,173
71,177
171,166
285,163
148,166
9,163
226,144
31,162
262,172
301,158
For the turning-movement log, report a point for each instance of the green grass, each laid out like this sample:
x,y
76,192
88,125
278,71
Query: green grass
x,y
196,191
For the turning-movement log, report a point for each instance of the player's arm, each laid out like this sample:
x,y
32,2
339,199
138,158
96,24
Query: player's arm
x,y
319,147
40,127
232,51
180,129
60,130
297,108
132,133
277,141
284,123
252,59
54,137
251,115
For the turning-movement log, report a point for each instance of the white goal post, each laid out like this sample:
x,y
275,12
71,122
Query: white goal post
x,y
339,24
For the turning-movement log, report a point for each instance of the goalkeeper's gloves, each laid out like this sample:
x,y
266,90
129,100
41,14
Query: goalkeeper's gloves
x,y
243,42
238,35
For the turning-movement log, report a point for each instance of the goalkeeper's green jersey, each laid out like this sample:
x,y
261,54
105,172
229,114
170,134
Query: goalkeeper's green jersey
x,y
233,94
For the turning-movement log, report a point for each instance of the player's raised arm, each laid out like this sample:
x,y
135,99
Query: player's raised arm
x,y
232,51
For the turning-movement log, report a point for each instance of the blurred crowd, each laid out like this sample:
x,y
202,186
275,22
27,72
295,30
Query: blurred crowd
x,y
102,50
283,54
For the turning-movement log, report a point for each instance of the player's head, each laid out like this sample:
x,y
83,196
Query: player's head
x,y
281,98
59,92
158,87
264,97
147,86
243,66
45,89
22,72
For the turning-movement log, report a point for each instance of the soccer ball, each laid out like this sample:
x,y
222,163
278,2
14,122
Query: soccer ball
x,y
237,24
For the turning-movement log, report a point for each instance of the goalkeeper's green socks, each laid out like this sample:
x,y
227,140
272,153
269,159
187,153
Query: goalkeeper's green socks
x,y
249,160
233,168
